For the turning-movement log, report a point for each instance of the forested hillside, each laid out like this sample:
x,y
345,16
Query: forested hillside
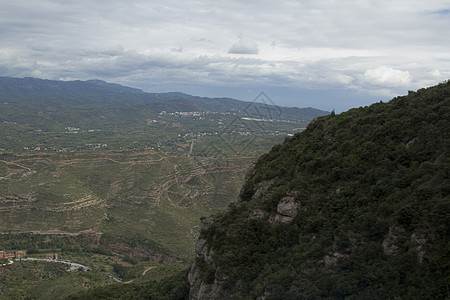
x,y
357,206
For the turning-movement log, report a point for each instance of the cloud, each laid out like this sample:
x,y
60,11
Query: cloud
x,y
384,76
441,12
320,45
436,74
244,46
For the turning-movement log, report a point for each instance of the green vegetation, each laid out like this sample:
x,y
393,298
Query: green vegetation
x,y
354,207
100,174
113,201
175,287
371,193
54,116
44,280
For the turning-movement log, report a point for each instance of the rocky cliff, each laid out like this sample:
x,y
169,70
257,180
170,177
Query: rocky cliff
x,y
201,286
357,207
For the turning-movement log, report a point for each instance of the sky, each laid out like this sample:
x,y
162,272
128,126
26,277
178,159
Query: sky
x,y
305,53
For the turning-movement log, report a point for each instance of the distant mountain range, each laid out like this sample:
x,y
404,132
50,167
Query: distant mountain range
x,y
36,114
101,92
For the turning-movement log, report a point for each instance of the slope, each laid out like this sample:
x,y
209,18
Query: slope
x,y
109,176
357,206
136,197
45,115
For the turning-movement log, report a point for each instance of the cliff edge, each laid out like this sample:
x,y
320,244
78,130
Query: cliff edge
x,y
357,207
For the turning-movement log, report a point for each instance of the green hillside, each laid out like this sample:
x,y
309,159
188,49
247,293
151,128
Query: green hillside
x,y
357,206
126,197
115,178
56,116
106,208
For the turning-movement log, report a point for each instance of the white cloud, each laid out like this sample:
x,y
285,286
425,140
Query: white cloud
x,y
436,73
244,46
319,45
344,79
384,76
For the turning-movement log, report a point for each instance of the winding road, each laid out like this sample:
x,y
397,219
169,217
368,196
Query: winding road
x,y
73,265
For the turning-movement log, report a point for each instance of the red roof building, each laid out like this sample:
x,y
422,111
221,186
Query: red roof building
x,y
51,256
17,254
20,254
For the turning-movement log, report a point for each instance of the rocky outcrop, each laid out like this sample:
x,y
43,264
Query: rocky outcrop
x,y
261,189
391,242
345,209
201,289
398,238
204,277
287,210
420,241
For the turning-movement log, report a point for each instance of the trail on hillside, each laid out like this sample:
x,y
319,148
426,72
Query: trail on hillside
x,y
147,269
80,159
15,164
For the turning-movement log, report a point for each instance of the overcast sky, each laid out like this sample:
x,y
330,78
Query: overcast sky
x,y
319,53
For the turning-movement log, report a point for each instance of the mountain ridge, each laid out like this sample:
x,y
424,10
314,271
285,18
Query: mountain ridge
x,y
32,87
356,206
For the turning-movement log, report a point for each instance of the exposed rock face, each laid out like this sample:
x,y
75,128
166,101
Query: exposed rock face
x,y
338,217
420,241
287,210
200,290
331,259
261,188
398,236
390,243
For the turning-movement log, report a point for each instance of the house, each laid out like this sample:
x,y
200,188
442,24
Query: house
x,y
51,255
20,254
17,254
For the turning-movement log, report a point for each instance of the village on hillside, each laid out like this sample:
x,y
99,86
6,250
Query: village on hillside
x,y
13,255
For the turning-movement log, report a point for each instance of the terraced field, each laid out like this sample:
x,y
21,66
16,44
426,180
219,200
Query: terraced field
x,y
115,178
135,195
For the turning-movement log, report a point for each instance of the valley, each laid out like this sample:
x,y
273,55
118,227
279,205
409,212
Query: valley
x,y
105,208
157,196
118,180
